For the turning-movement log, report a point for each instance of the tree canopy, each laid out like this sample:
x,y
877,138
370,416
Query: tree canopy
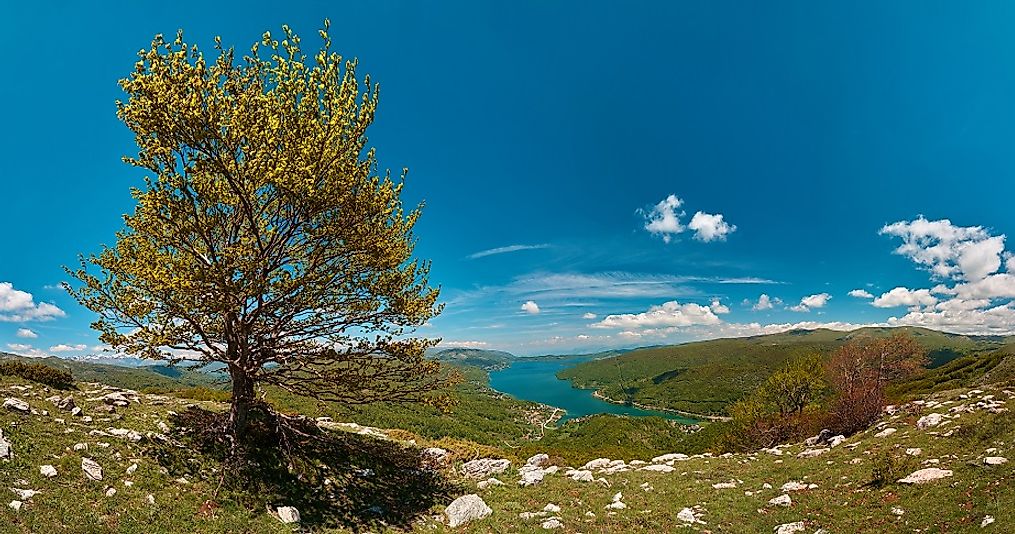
x,y
265,237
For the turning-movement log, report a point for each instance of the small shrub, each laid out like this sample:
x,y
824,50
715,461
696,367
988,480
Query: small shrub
x,y
887,468
37,372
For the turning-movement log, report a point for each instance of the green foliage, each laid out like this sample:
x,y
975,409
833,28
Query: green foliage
x,y
707,377
795,386
488,360
611,436
957,373
887,467
37,372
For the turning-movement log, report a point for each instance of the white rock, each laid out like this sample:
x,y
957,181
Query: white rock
x,y
687,516
530,476
552,508
17,405
538,460
790,528
795,486
579,475
618,505
926,475
91,468
552,523
466,508
131,469
598,463
811,453
485,467
986,521
929,420
995,460
15,505
81,446
150,499
669,458
288,514
898,511
659,468
782,500
25,494
47,471
110,491
5,447
724,485
490,482
835,441
914,451
885,433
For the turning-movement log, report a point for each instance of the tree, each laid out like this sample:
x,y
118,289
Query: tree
x,y
793,387
265,238
860,371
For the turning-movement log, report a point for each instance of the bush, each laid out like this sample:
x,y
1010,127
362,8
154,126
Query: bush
x,y
37,372
887,468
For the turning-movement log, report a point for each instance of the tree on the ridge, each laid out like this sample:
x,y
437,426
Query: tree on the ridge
x,y
265,238
795,386
861,370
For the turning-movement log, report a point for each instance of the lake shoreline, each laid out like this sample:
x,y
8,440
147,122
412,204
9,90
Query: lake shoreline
x,y
701,417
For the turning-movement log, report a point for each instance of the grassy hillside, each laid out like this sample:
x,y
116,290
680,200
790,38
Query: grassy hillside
x,y
378,485
705,377
137,378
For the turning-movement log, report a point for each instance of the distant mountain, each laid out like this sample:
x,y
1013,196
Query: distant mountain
x,y
155,376
489,360
705,377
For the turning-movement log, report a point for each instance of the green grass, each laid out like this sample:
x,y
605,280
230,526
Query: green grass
x,y
706,377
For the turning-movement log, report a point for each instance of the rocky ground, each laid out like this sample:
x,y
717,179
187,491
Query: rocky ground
x,y
83,461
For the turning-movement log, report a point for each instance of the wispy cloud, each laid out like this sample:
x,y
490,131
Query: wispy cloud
x,y
505,250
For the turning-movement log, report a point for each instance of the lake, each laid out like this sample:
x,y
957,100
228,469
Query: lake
x,y
535,380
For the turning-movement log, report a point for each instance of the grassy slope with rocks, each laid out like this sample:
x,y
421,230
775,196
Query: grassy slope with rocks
x,y
705,377
856,488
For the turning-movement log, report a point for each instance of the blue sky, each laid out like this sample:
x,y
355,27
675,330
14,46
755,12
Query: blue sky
x,y
565,151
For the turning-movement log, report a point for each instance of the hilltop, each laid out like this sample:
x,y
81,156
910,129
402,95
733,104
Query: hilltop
x,y
705,377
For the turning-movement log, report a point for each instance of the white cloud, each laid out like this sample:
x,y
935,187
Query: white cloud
x,y
811,302
26,333
948,251
861,294
764,303
668,314
902,296
504,250
67,348
962,318
589,316
27,351
708,227
663,219
19,306
718,307
530,307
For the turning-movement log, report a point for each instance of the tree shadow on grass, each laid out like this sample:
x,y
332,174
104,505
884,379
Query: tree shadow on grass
x,y
335,479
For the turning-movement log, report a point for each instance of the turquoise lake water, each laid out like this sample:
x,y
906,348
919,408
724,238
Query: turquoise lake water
x,y
536,381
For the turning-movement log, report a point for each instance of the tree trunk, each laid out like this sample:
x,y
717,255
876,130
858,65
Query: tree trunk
x,y
243,397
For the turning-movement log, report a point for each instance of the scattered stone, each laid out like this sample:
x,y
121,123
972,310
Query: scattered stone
x,y
995,460
92,469
47,471
17,405
164,428
116,399
790,528
131,469
125,433
724,485
531,476
811,453
485,467
929,420
150,499
986,521
15,505
538,460
898,511
782,500
598,463
25,494
797,486
668,458
687,515
288,514
822,437
432,456
552,523
490,482
914,451
835,441
110,491
617,503
579,475
659,468
81,446
66,404
885,433
6,449
466,508
551,508
923,476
